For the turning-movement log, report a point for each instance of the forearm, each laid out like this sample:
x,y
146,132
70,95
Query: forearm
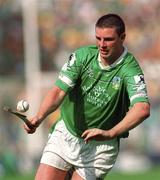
x,y
137,114
51,102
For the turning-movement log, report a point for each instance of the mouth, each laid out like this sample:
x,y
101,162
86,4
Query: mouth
x,y
104,51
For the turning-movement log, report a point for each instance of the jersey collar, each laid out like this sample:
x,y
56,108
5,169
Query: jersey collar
x,y
119,60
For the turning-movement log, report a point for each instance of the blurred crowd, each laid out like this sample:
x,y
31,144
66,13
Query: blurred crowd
x,y
63,26
66,24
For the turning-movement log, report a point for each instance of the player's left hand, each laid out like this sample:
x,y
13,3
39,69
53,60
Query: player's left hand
x,y
96,134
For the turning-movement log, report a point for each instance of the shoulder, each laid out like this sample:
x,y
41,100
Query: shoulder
x,y
87,50
85,54
131,64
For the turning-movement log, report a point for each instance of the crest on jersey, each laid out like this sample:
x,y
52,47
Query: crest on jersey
x,y
116,82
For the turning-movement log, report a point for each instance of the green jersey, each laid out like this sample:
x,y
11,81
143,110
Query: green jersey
x,y
98,96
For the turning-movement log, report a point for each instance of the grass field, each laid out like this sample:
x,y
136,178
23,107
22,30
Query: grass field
x,y
153,174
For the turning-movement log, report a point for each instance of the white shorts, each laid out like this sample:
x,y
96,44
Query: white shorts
x,y
90,160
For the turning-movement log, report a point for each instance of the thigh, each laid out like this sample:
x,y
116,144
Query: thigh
x,y
97,159
76,176
48,172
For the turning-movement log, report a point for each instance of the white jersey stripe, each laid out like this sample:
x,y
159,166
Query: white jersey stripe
x,y
66,80
137,96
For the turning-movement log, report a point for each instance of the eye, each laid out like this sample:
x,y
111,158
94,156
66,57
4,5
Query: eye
x,y
109,39
98,38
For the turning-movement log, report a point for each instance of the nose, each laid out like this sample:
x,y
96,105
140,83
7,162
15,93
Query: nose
x,y
102,43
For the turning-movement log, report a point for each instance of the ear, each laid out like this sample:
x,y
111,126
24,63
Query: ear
x,y
123,35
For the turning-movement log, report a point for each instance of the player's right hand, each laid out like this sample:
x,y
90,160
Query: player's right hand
x,y
29,130
34,123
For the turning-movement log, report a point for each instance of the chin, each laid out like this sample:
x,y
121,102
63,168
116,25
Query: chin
x,y
105,56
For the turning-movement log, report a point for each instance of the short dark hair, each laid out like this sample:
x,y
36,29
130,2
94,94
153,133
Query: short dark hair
x,y
111,20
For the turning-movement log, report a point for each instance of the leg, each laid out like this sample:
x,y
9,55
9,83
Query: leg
x,y
76,176
46,172
69,174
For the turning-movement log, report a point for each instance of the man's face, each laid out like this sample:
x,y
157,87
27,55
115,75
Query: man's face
x,y
110,44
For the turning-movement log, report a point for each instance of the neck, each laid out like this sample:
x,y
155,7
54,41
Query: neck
x,y
110,60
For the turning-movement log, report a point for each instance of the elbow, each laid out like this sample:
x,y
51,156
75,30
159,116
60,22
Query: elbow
x,y
146,111
146,115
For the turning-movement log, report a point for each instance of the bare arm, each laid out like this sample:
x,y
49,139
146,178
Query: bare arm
x,y
137,114
50,103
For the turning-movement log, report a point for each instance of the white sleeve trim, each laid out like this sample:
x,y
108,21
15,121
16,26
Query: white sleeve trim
x,y
66,80
137,96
